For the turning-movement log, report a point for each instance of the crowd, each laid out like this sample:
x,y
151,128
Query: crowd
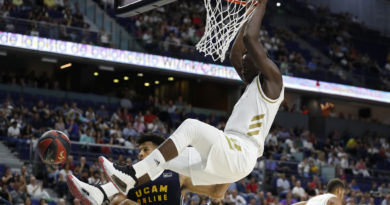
x,y
336,35
56,19
21,187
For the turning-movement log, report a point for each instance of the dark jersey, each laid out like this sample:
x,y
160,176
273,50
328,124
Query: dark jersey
x,y
165,190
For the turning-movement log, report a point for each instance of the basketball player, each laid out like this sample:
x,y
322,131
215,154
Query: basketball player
x,y
226,156
165,190
334,196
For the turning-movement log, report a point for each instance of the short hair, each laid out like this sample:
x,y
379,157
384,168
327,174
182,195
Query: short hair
x,y
150,137
334,184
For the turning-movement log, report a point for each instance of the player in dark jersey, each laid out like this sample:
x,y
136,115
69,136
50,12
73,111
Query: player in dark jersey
x,y
166,189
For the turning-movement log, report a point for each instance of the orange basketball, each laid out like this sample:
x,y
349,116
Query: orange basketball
x,y
53,147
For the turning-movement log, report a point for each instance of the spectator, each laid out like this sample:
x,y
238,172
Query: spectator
x,y
298,191
304,168
270,199
35,189
129,131
149,117
126,116
104,38
235,198
90,114
19,194
8,177
310,189
83,166
260,198
171,107
283,184
252,186
289,200
13,130
27,201
86,137
60,125
361,168
270,164
126,102
116,116
354,186
139,126
241,186
73,129
102,112
386,201
5,196
344,162
42,202
65,171
272,137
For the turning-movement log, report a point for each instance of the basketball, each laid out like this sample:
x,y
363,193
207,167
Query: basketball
x,y
53,147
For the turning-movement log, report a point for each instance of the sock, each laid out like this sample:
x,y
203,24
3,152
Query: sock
x,y
109,189
151,165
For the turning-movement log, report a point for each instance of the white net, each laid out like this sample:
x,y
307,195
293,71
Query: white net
x,y
224,20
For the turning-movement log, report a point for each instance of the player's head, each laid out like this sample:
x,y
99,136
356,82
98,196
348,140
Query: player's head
x,y
336,187
248,68
147,143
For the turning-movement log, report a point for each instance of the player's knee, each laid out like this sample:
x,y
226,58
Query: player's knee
x,y
190,124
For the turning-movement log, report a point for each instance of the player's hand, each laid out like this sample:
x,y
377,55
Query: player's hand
x,y
249,8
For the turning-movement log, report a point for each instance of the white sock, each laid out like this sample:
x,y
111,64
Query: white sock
x,y
151,165
110,189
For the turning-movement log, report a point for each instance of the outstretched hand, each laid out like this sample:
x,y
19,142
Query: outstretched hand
x,y
249,8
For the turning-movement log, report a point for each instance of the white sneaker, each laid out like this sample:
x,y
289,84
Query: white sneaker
x,y
87,194
123,177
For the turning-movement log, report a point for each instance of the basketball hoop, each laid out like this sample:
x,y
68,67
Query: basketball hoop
x,y
224,20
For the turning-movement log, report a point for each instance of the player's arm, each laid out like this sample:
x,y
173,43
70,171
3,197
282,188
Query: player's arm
x,y
237,51
300,203
273,82
214,191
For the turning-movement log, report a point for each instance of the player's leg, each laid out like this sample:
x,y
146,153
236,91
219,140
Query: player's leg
x,y
90,194
191,132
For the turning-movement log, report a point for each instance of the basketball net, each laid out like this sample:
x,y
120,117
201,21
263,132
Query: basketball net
x,y
224,20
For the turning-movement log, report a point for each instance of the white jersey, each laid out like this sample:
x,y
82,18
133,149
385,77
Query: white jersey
x,y
254,114
320,199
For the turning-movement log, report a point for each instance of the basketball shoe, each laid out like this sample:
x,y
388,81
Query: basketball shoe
x,y
86,193
123,177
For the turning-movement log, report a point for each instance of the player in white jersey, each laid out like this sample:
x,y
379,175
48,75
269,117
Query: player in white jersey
x,y
226,156
334,196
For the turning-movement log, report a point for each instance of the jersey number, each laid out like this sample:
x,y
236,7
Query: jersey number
x,y
232,144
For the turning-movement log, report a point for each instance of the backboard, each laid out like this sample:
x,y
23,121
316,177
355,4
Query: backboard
x,y
127,8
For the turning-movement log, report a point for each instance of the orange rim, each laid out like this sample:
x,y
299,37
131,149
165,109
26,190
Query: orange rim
x,y
237,2
240,2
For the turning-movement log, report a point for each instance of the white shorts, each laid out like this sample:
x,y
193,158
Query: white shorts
x,y
215,157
